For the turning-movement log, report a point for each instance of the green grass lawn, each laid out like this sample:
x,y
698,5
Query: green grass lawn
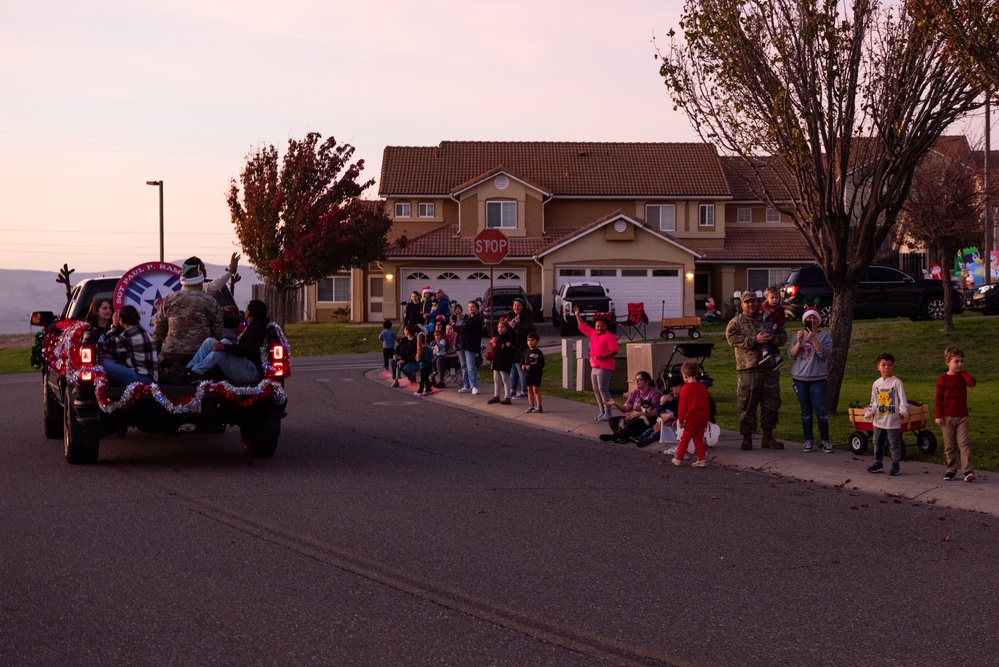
x,y
917,346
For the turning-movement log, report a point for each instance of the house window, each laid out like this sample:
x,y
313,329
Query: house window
x,y
426,209
403,210
603,273
508,276
418,275
478,276
572,273
665,273
501,214
773,215
744,215
448,275
661,216
707,216
758,280
634,273
333,289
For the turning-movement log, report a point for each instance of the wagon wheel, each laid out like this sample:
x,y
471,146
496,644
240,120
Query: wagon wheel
x,y
664,333
670,335
858,443
695,334
927,442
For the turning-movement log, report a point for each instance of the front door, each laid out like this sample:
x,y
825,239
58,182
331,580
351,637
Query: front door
x,y
376,298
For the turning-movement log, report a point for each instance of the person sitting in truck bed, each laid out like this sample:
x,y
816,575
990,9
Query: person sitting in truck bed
x,y
130,355
184,320
239,362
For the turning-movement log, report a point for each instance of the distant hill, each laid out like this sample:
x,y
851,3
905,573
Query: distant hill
x,y
24,292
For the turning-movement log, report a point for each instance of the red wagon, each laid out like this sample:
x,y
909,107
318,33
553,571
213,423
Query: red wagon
x,y
915,422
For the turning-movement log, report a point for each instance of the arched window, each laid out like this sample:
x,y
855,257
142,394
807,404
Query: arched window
x,y
448,275
417,275
478,276
509,275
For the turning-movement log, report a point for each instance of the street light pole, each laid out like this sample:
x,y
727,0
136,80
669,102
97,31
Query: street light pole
x,y
160,184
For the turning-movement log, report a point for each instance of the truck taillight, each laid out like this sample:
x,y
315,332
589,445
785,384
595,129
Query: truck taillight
x,y
790,290
278,366
88,355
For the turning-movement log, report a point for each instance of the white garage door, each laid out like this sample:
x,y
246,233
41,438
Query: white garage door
x,y
659,288
460,285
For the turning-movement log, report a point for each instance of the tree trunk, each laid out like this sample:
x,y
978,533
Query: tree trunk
x,y
841,330
280,314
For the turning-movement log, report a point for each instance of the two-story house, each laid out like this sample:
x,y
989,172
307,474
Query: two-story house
x,y
666,224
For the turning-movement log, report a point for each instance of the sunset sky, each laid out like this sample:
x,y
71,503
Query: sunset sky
x,y
96,98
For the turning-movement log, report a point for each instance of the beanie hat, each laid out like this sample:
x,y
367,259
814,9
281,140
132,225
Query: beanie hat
x,y
811,312
190,272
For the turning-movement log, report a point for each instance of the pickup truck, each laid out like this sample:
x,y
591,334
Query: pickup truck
x,y
591,297
80,406
882,292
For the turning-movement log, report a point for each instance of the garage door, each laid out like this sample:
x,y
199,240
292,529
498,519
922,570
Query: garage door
x,y
659,288
461,286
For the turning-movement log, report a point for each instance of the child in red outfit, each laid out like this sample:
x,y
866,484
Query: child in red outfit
x,y
693,414
951,407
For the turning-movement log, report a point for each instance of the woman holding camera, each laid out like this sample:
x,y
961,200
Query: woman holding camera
x,y
810,348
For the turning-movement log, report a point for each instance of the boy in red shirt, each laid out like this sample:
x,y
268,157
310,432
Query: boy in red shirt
x,y
951,407
692,414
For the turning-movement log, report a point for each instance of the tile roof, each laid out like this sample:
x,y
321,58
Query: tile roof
x,y
748,179
443,241
753,245
566,169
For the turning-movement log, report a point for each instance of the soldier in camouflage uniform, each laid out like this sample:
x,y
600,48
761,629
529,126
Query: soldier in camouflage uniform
x,y
758,387
184,320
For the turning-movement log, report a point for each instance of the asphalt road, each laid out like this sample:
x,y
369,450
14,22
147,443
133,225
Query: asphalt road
x,y
393,530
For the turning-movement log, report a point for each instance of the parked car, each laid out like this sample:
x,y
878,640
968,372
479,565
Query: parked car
x,y
502,301
882,292
591,297
984,299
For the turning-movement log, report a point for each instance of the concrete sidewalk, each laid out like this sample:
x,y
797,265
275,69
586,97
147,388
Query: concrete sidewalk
x,y
918,481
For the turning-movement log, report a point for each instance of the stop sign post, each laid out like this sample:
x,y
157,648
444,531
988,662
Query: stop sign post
x,y
491,246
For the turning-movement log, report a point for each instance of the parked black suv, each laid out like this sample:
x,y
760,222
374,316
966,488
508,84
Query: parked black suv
x,y
882,292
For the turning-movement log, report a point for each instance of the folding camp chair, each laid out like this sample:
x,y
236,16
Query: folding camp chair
x,y
635,323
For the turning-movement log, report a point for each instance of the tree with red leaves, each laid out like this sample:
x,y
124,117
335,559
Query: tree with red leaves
x,y
303,221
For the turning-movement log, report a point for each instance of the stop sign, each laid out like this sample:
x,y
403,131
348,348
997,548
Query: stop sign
x,y
490,246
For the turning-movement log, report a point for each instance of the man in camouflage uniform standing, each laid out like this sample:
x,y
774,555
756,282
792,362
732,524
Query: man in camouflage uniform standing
x,y
758,387
184,320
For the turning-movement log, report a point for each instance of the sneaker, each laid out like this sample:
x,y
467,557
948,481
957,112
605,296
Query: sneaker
x,y
539,409
440,385
970,477
604,418
417,393
894,469
827,447
807,447
493,400
395,383
950,475
475,390
877,466
747,442
606,437
505,401
778,363
678,462
530,409
464,390
703,463
670,451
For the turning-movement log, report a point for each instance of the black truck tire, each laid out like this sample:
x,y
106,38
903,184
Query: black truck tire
x,y
260,437
51,411
81,446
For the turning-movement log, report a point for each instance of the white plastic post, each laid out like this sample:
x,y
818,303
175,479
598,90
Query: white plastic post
x,y
582,363
567,347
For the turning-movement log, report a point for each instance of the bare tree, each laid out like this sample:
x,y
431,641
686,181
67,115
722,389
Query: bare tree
x,y
945,207
971,32
846,97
